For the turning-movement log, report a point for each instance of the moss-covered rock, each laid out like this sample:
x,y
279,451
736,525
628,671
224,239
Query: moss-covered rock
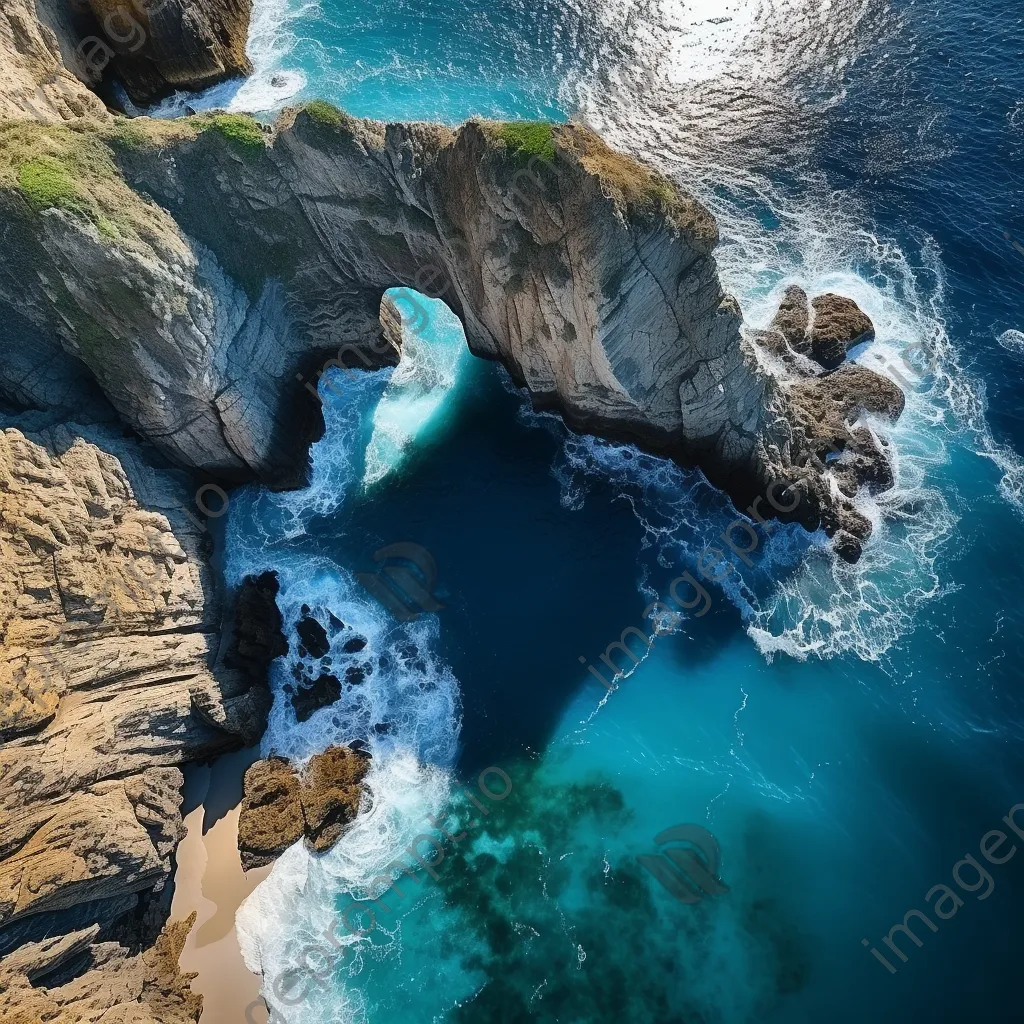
x,y
528,140
72,168
45,182
326,114
241,130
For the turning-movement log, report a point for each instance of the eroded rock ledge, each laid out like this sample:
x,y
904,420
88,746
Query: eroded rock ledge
x,y
205,270
109,682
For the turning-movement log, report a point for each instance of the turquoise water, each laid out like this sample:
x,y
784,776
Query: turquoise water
x,y
848,734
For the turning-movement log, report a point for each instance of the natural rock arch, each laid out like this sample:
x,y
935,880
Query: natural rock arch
x,y
213,265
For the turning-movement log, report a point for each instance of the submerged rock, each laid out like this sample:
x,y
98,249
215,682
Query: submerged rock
x,y
282,804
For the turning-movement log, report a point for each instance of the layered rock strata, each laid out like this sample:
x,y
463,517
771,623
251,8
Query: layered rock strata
x,y
283,805
77,978
109,636
206,270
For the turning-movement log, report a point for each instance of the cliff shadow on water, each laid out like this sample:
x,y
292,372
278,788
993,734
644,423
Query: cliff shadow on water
x,y
528,585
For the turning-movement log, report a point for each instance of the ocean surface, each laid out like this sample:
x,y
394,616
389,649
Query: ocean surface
x,y
850,735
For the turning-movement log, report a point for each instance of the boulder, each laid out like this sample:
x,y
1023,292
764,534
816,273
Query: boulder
x,y
837,325
312,695
793,319
283,804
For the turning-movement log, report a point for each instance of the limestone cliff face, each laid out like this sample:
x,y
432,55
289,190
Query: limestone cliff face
x,y
204,270
109,631
74,978
37,51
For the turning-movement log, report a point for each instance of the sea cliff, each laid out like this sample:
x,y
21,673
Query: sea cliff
x,y
169,294
203,270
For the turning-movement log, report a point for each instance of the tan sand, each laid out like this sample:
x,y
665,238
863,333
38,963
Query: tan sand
x,y
210,881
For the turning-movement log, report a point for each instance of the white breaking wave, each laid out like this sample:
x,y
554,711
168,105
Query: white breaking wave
x,y
291,930
398,701
420,383
1013,341
712,103
271,84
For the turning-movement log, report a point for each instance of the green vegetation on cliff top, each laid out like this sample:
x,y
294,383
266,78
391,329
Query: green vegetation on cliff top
x,y
71,168
243,131
529,139
45,182
325,113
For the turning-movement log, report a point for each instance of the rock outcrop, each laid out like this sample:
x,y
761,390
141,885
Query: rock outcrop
x,y
282,805
109,635
195,279
56,52
37,47
826,401
76,978
205,270
824,328
155,47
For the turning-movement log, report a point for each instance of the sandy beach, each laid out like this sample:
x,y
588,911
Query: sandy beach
x,y
210,881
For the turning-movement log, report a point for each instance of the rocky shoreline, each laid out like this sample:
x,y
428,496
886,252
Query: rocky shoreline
x,y
171,291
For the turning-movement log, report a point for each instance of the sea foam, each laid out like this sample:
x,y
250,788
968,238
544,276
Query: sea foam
x,y
399,702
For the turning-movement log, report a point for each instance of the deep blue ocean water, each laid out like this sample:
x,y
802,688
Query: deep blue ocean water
x,y
848,734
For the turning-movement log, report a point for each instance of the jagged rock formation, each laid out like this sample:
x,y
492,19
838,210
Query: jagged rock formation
x,y
823,427
824,328
282,805
159,46
76,978
110,629
256,638
204,269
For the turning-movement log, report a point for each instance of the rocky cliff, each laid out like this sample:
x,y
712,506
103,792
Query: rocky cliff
x,y
204,270
109,635
44,76
55,53
190,281
76,978
155,47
